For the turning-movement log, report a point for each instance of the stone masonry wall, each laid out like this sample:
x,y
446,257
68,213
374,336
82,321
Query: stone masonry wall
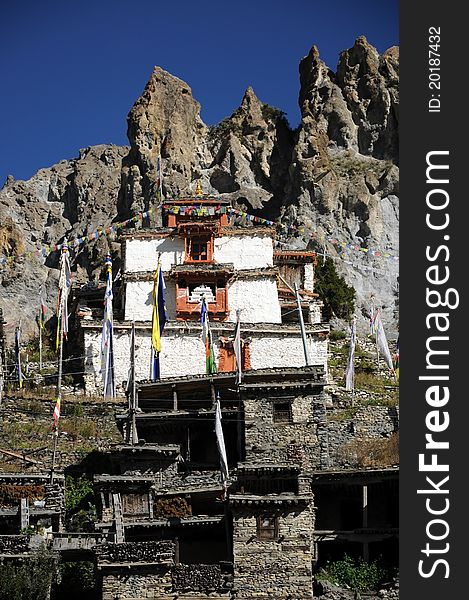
x,y
245,252
165,582
335,434
317,438
146,582
271,442
277,568
257,299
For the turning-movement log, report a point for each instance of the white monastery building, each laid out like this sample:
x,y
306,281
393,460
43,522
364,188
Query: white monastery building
x,y
234,268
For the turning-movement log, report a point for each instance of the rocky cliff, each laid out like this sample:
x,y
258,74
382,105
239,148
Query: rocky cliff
x,y
336,175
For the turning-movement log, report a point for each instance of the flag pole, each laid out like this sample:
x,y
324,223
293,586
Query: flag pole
x,y
40,341
59,377
302,326
133,433
237,349
373,318
59,394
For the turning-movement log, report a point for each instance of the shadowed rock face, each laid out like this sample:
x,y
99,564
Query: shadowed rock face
x,y
336,174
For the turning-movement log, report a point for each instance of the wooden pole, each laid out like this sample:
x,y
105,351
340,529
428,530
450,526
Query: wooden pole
x,y
63,306
302,326
365,520
40,344
133,434
59,397
374,315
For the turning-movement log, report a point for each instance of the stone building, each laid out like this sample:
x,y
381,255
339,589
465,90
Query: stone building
x,y
234,268
169,526
252,540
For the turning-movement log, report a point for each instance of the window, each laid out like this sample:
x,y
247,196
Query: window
x,y
191,287
135,504
199,248
282,412
227,357
267,527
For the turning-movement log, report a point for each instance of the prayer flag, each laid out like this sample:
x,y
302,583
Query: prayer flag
x,y
396,360
210,365
65,283
158,321
19,372
350,373
237,348
41,318
221,444
381,341
107,357
56,412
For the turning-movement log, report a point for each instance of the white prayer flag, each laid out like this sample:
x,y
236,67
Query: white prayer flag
x,y
350,373
381,341
221,444
237,349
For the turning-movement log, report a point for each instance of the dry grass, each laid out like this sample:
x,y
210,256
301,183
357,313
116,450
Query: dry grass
x,y
372,452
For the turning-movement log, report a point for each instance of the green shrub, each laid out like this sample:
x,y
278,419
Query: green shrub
x,y
338,297
359,576
77,581
337,334
30,580
78,491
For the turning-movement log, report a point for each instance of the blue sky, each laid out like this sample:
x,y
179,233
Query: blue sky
x,y
71,71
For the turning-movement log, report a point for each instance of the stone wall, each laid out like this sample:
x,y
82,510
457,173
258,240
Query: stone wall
x,y
277,350
146,552
270,442
158,582
308,274
14,544
338,429
317,437
145,582
276,568
257,298
207,579
244,251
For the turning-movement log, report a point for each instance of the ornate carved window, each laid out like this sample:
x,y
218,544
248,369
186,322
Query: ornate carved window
x,y
190,287
199,248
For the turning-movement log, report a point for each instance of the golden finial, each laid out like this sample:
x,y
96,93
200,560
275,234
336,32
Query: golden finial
x,y
198,189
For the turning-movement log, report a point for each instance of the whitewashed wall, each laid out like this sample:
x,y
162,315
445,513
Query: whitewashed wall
x,y
138,300
309,277
245,252
272,350
257,299
315,313
183,353
142,255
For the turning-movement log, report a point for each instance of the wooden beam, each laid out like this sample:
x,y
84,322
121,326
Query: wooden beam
x,y
21,457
